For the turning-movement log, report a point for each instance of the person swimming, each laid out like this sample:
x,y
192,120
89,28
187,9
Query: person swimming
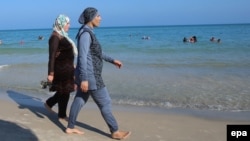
x,y
212,39
193,39
40,37
185,40
145,38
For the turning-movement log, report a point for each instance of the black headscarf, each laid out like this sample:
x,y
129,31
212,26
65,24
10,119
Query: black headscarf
x,y
87,15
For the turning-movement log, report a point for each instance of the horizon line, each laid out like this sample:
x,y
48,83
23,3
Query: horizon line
x,y
133,26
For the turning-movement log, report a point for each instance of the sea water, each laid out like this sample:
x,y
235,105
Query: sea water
x,y
161,71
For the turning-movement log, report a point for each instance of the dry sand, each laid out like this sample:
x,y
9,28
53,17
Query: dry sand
x,y
24,118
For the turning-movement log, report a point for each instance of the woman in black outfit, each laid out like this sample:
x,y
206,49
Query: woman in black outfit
x,y
61,66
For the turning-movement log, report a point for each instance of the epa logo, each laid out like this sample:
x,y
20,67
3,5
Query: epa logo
x,y
238,132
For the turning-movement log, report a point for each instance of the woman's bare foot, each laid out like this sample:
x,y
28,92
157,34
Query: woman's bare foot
x,y
74,131
119,135
64,119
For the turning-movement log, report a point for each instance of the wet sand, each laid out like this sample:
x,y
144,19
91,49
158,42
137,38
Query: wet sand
x,y
24,118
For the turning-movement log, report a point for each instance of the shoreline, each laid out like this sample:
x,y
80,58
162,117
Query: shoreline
x,y
20,96
24,117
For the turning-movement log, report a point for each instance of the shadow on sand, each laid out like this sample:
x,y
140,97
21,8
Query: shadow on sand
x,y
36,106
10,131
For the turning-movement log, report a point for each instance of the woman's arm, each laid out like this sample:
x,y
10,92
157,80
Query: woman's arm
x,y
53,46
83,49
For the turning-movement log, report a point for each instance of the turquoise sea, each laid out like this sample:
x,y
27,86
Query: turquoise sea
x,y
160,72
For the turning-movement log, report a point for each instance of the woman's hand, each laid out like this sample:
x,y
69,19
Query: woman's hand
x,y
84,86
118,63
50,78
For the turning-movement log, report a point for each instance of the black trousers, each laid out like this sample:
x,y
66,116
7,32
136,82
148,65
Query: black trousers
x,y
62,100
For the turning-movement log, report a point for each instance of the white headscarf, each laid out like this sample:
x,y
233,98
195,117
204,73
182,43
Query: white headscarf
x,y
60,22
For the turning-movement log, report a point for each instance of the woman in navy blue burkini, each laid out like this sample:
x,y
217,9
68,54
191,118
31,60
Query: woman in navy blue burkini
x,y
88,75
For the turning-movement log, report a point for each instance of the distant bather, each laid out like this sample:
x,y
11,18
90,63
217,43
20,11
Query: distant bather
x,y
212,39
40,37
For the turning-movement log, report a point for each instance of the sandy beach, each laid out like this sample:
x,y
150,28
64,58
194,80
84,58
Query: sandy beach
x,y
24,118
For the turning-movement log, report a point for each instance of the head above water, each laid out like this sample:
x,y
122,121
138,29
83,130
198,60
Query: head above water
x,y
88,15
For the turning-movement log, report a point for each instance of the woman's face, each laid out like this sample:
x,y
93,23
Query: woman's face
x,y
96,21
66,27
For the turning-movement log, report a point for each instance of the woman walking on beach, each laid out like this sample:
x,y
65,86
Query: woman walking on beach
x,y
61,66
88,75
